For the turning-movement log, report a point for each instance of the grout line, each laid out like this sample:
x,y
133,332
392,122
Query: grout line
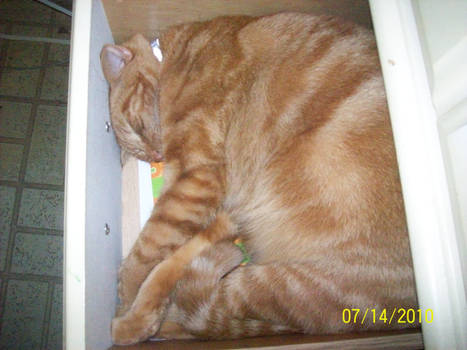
x,y
4,287
39,101
23,23
56,7
9,183
29,277
3,52
9,251
30,24
39,231
12,140
3,291
31,185
38,186
34,38
47,314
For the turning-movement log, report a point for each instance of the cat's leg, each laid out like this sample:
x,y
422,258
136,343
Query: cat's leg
x,y
143,318
276,298
186,207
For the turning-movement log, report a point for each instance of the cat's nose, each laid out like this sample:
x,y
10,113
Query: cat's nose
x,y
156,156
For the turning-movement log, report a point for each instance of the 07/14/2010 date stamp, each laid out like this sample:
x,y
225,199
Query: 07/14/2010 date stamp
x,y
388,316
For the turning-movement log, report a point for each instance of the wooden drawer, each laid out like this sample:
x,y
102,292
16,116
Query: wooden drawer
x,y
93,242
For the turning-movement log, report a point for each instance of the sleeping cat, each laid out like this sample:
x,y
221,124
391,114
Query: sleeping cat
x,y
272,129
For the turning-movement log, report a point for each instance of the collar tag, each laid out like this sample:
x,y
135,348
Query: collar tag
x,y
156,49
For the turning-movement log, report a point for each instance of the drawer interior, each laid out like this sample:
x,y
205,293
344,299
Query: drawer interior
x,y
126,18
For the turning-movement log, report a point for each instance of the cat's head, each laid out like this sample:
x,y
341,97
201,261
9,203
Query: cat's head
x,y
132,70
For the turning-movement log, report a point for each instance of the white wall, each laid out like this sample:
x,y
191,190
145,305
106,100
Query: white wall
x,y
444,23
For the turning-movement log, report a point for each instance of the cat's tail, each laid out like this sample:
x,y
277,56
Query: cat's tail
x,y
196,310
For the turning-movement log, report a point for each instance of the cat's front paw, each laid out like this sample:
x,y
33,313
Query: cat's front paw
x,y
126,331
136,326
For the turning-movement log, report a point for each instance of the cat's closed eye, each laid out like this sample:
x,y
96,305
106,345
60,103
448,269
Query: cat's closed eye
x,y
131,71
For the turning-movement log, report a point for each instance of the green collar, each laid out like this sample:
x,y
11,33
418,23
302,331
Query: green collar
x,y
246,257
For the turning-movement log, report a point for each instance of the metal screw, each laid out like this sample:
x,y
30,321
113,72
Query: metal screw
x,y
107,126
106,229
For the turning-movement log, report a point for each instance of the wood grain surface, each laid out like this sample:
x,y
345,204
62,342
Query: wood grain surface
x,y
127,17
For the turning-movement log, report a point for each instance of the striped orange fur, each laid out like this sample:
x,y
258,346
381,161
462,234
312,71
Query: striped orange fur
x,y
274,129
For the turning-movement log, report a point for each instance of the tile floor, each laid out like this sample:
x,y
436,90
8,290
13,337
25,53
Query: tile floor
x,y
33,99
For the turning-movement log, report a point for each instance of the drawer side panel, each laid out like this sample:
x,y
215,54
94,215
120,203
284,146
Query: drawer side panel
x,y
103,195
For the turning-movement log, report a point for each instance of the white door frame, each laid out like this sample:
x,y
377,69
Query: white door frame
x,y
434,244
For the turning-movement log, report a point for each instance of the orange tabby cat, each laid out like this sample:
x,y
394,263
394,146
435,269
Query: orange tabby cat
x,y
274,129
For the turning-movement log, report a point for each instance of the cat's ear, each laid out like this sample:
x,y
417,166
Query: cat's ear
x,y
113,60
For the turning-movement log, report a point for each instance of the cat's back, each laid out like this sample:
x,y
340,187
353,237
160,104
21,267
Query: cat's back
x,y
308,144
